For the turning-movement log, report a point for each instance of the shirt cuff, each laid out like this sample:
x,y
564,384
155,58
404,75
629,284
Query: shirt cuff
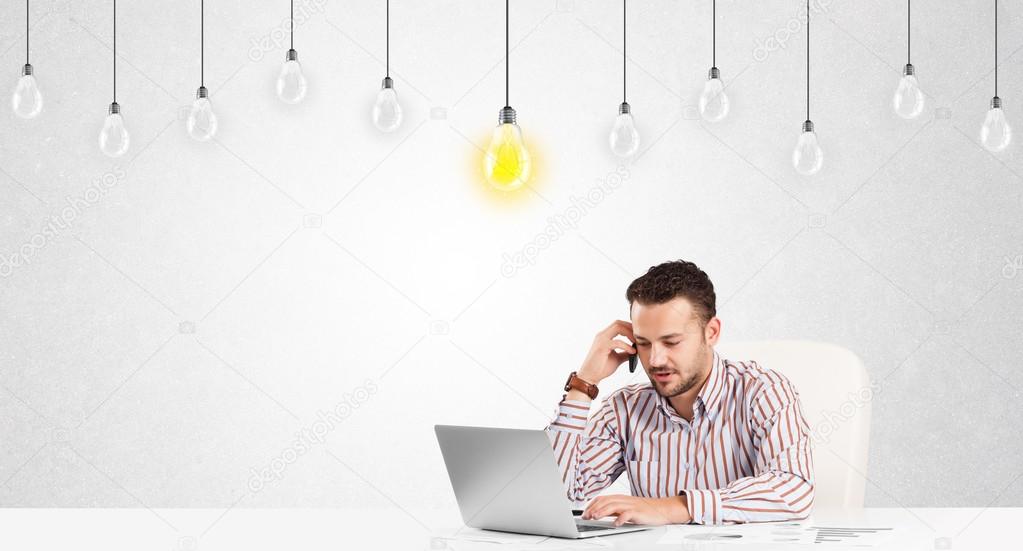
x,y
571,417
704,506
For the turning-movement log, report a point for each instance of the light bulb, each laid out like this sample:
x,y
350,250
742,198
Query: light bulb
x,y
996,133
507,165
202,121
291,83
387,113
27,102
807,157
114,138
624,138
713,100
908,101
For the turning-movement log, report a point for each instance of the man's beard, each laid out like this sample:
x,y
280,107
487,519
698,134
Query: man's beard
x,y
686,384
680,388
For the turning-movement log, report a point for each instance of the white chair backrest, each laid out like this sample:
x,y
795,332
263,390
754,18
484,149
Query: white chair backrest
x,y
835,394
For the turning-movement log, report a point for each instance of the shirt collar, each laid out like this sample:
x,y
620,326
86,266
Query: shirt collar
x,y
710,395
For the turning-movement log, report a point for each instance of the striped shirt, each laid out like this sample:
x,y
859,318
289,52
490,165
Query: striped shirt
x,y
745,457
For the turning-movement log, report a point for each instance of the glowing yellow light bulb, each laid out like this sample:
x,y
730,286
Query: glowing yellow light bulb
x,y
507,164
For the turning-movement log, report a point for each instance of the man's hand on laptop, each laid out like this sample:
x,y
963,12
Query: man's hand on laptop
x,y
603,358
638,510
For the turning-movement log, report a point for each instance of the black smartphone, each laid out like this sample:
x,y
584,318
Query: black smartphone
x,y
633,360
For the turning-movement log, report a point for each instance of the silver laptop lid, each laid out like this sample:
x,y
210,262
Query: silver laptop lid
x,y
506,479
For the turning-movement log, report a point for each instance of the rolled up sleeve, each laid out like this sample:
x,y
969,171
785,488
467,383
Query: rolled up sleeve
x,y
588,451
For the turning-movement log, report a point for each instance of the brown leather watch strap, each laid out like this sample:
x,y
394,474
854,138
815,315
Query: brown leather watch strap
x,y
575,383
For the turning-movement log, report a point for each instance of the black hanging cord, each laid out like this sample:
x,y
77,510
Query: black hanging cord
x,y
26,32
807,59
714,33
387,34
202,43
623,52
291,25
996,48
506,51
909,31
115,51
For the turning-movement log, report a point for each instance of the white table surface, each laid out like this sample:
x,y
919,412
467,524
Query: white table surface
x,y
238,528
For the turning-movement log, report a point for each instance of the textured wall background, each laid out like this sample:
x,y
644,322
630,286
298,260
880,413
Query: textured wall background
x,y
308,296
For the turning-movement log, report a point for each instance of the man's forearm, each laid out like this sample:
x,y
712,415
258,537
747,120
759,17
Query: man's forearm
x,y
679,510
578,396
640,510
587,450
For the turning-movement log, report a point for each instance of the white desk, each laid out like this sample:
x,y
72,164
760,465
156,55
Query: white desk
x,y
241,529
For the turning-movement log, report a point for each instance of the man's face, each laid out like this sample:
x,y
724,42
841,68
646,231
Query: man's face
x,y
673,345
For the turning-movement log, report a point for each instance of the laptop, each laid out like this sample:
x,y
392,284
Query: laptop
x,y
508,480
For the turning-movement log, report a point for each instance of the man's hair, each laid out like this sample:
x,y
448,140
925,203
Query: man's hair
x,y
677,278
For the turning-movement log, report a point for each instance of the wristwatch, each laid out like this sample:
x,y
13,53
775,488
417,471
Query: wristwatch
x,y
574,382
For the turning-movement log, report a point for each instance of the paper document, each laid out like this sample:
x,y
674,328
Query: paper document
x,y
762,533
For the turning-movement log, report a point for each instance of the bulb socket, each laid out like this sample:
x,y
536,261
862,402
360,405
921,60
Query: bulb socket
x,y
908,70
996,102
387,83
807,125
292,55
26,70
114,109
506,115
713,73
624,108
202,92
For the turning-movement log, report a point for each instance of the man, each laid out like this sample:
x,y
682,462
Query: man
x,y
708,441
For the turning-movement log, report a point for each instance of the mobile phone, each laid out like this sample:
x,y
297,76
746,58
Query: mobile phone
x,y
633,360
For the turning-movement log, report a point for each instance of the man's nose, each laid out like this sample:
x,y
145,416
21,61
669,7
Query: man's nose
x,y
658,356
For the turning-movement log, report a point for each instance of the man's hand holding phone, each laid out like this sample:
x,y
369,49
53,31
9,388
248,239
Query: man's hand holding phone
x,y
607,353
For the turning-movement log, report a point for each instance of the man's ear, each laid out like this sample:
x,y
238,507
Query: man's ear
x,y
712,331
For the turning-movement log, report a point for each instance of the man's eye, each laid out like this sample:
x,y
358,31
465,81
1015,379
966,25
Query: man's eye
x,y
673,343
